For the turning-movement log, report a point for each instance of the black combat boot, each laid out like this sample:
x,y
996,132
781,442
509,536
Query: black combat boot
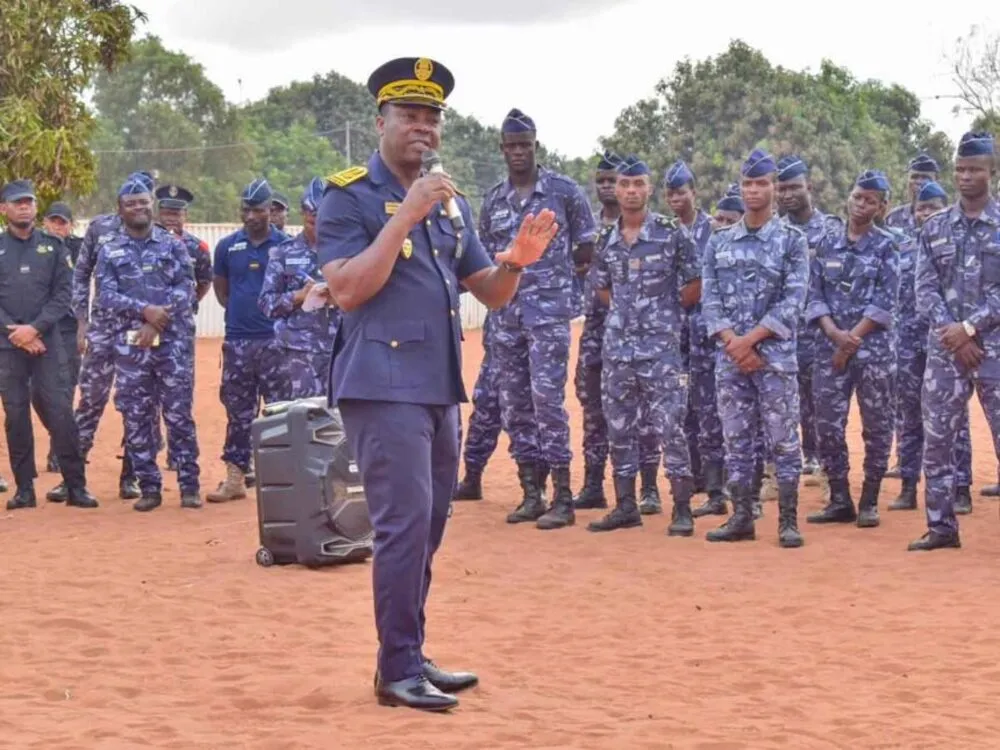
x,y
739,526
542,470
963,501
907,499
80,497
649,493
471,487
933,540
788,516
625,514
58,494
148,502
868,505
716,503
756,506
681,521
532,506
23,498
561,514
591,496
840,509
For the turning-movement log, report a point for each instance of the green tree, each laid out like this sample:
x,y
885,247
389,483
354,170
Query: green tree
x,y
49,52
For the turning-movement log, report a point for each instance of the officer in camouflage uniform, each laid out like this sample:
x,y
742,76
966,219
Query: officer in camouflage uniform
x,y
97,369
854,286
958,285
145,277
912,328
305,338
703,424
533,331
754,280
729,209
648,273
588,362
251,360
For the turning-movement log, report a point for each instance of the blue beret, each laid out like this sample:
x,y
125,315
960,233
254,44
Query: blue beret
x,y
931,191
135,184
256,193
517,122
17,190
731,203
313,195
632,166
411,80
609,162
678,176
873,179
976,144
790,167
923,162
758,164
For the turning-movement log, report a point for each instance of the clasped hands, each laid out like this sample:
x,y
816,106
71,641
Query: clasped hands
x,y
741,349
966,350
26,337
157,319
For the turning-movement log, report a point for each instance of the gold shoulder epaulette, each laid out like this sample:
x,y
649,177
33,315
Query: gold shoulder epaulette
x,y
347,176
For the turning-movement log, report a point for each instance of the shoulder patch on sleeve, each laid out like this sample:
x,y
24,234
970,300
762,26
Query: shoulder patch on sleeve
x,y
347,176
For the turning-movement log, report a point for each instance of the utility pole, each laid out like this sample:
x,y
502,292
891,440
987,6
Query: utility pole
x,y
347,141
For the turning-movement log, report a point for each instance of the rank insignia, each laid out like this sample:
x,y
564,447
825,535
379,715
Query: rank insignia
x,y
391,208
407,250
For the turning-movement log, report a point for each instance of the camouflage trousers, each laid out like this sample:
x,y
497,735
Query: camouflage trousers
x,y
97,377
159,377
807,403
873,383
251,371
484,422
652,392
304,374
746,402
703,402
534,362
587,384
911,363
945,400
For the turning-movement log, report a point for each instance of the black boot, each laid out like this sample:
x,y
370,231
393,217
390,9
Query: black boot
x,y
625,514
592,494
23,498
933,540
561,514
52,464
868,505
471,487
649,493
532,506
756,506
148,502
58,494
963,501
840,509
80,497
716,503
907,499
542,470
681,522
788,516
739,526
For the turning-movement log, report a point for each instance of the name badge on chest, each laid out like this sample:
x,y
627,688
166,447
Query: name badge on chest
x,y
25,269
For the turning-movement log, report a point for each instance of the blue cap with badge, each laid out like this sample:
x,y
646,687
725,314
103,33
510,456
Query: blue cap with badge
x,y
17,190
174,196
412,80
758,164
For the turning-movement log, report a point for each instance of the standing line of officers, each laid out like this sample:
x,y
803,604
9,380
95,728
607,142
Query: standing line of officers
x,y
727,347
137,330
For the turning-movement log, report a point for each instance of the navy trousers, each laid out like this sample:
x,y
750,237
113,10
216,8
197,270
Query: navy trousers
x,y
407,455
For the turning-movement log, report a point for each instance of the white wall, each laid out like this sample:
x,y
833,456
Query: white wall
x,y
211,316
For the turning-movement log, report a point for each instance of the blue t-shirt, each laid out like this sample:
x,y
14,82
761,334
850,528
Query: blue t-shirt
x,y
244,265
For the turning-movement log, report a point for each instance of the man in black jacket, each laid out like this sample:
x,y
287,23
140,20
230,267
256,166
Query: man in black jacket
x,y
35,286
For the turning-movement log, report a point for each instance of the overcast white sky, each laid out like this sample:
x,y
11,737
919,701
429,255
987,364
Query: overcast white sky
x,y
573,65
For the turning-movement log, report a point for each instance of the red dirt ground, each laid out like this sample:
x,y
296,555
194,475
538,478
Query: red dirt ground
x,y
123,630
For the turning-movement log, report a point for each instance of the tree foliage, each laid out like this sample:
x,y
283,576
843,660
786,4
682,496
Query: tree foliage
x,y
49,52
713,112
975,70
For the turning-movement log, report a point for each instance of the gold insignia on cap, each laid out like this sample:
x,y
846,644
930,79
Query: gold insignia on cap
x,y
423,69
407,250
173,191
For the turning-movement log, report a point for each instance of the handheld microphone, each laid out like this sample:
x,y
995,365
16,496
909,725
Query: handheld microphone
x,y
432,165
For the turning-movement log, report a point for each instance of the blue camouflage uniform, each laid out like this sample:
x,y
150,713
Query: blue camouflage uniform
x,y
397,380
484,422
852,280
757,278
643,380
132,274
902,217
251,358
957,280
305,339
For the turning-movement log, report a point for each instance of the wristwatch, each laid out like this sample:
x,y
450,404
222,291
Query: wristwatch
x,y
969,329
511,267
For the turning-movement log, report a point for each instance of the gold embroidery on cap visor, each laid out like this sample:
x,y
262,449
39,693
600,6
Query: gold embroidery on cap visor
x,y
417,92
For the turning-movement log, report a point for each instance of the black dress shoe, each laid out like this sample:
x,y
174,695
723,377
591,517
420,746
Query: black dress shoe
x,y
416,692
79,497
449,682
22,499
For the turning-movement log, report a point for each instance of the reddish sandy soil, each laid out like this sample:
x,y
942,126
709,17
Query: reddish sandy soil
x,y
123,630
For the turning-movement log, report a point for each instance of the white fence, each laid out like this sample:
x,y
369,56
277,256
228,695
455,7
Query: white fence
x,y
211,315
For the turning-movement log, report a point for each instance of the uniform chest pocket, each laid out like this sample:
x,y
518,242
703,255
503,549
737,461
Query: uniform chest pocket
x,y
400,354
726,273
444,239
768,277
991,265
655,277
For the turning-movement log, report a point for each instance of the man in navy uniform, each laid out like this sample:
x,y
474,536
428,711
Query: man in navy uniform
x,y
394,262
